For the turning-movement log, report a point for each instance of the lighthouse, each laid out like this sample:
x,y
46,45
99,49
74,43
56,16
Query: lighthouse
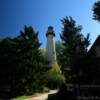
x,y
50,47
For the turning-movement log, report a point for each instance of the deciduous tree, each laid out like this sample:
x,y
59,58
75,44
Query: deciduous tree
x,y
96,11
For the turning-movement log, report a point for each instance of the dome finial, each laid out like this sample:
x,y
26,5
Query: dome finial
x,y
50,31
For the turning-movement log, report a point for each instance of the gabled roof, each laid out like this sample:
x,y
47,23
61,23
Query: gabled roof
x,y
97,42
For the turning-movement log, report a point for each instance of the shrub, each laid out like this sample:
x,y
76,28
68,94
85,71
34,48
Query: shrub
x,y
55,77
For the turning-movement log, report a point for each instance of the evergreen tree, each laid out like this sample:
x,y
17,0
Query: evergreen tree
x,y
75,47
59,51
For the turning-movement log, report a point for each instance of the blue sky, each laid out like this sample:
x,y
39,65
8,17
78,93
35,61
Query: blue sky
x,y
14,14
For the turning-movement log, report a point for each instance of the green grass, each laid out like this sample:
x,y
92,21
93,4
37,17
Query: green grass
x,y
25,96
33,95
22,97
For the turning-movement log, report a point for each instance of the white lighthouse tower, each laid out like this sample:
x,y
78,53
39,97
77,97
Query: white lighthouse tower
x,y
50,48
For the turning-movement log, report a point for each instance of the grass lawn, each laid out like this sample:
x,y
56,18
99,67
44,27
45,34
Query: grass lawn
x,y
22,97
26,96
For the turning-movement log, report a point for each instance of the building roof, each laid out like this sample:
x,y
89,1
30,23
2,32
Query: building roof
x,y
97,42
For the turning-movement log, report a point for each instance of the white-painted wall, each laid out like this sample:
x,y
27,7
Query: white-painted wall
x,y
50,49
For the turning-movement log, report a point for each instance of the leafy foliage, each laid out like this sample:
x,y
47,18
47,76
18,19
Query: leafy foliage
x,y
55,77
22,66
96,11
59,50
75,46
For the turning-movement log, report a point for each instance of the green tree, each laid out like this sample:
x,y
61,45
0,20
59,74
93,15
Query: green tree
x,y
22,65
43,51
59,50
96,11
30,58
75,46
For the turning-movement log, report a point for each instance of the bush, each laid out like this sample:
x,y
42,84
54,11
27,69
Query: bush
x,y
55,77
45,89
